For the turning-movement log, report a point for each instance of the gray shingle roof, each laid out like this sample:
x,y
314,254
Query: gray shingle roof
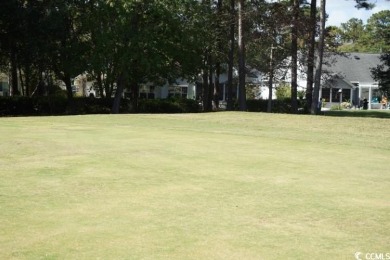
x,y
352,66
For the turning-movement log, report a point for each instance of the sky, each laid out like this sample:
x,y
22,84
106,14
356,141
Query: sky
x,y
340,11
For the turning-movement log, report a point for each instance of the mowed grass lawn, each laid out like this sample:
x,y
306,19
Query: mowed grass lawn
x,y
223,185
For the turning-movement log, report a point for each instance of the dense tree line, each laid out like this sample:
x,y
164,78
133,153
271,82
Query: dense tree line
x,y
355,36
123,43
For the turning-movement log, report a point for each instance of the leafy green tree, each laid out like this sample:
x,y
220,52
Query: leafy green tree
x,y
269,42
155,40
322,33
280,30
364,4
31,39
378,28
100,19
352,30
66,47
21,43
354,36
382,74
10,27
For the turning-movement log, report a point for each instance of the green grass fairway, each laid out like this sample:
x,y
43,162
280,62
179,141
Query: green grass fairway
x,y
223,185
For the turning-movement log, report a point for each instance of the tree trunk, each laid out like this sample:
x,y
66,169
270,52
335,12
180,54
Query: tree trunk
x,y
118,94
27,81
69,93
100,84
68,83
206,86
317,82
22,84
294,57
134,97
241,58
271,79
219,49
211,89
310,58
216,84
230,104
14,74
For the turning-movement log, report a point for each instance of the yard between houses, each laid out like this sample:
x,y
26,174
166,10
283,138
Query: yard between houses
x,y
225,185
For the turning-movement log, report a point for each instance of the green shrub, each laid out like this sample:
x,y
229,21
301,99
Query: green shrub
x,y
335,107
172,105
88,105
283,91
257,105
278,105
60,105
50,105
33,106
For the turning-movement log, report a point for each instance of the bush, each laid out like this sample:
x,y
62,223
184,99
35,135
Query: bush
x,y
60,105
89,105
257,105
278,105
335,107
49,105
173,105
283,91
26,106
17,106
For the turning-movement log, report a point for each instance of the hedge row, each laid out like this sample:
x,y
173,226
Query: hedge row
x,y
278,105
58,105
169,106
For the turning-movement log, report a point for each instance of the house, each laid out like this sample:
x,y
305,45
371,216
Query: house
x,y
190,89
347,78
180,88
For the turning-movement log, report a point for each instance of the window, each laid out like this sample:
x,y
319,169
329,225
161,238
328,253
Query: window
x,y
146,92
178,91
4,88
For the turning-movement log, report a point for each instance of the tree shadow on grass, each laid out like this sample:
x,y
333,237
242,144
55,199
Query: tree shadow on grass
x,y
359,113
